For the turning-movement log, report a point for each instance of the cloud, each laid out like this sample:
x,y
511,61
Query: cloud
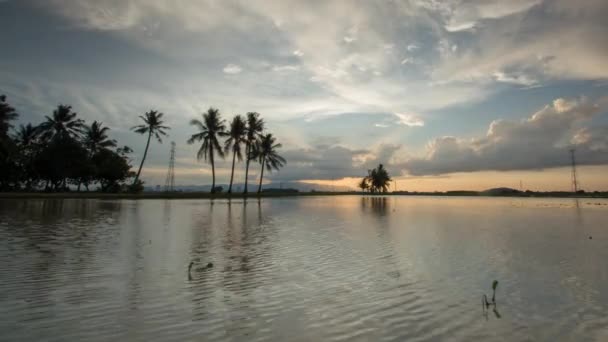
x,y
538,142
285,68
232,69
333,162
298,53
407,119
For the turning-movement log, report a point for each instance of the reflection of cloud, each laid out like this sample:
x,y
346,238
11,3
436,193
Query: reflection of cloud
x,y
541,141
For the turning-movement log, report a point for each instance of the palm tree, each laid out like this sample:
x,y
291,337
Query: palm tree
x,y
363,184
254,129
153,125
63,124
26,135
210,129
95,137
266,151
236,137
7,114
377,180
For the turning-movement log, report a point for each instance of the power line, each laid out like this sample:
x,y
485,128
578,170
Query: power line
x,y
170,180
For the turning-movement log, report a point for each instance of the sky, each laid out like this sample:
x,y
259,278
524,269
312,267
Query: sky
x,y
448,95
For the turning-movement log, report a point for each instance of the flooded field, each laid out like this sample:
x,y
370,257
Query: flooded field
x,y
304,269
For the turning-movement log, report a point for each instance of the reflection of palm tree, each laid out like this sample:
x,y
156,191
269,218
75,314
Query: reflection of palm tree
x,y
255,127
95,137
63,124
210,129
236,137
153,125
266,151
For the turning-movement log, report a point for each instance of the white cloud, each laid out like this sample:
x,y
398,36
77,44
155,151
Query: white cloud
x,y
232,69
412,47
411,120
298,53
540,141
285,68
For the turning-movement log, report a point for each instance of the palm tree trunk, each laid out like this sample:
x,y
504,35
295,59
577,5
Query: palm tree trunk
x,y
261,175
232,173
143,159
247,166
212,170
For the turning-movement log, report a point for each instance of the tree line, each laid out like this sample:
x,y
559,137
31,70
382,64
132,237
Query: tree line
x,y
63,152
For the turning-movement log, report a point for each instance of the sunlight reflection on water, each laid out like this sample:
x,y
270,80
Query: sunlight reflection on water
x,y
318,268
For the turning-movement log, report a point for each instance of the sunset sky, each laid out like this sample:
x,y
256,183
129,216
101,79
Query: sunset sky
x,y
448,95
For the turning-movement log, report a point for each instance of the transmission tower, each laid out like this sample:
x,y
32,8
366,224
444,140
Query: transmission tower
x,y
170,181
574,180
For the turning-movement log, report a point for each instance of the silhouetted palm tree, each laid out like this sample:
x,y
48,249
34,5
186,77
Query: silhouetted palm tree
x,y
236,137
63,124
254,129
377,179
26,135
7,114
363,184
153,125
268,156
95,137
210,129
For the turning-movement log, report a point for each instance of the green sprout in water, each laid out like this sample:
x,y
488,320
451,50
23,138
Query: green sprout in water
x,y
486,304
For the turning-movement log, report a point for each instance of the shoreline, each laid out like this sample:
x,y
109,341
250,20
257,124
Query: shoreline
x,y
207,195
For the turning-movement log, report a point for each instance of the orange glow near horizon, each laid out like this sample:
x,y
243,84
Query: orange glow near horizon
x,y
591,178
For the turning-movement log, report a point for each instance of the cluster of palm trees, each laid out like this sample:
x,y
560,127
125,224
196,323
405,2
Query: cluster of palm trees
x,y
60,151
244,134
377,180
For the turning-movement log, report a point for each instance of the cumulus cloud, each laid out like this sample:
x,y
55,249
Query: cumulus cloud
x,y
333,162
540,141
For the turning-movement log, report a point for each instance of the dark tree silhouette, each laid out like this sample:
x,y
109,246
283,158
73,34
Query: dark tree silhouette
x,y
28,145
254,129
96,137
377,180
210,129
62,124
268,156
7,114
236,138
153,125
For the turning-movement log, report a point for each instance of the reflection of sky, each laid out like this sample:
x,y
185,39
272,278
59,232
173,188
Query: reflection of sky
x,y
334,74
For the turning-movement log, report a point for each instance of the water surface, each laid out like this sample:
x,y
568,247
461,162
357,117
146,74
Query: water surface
x,y
304,269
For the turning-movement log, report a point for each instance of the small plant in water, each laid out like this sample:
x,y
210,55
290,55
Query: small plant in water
x,y
486,304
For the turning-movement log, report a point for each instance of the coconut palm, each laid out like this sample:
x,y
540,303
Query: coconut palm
x,y
269,158
254,129
363,184
7,114
377,180
62,124
153,125
95,137
210,129
26,135
236,138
